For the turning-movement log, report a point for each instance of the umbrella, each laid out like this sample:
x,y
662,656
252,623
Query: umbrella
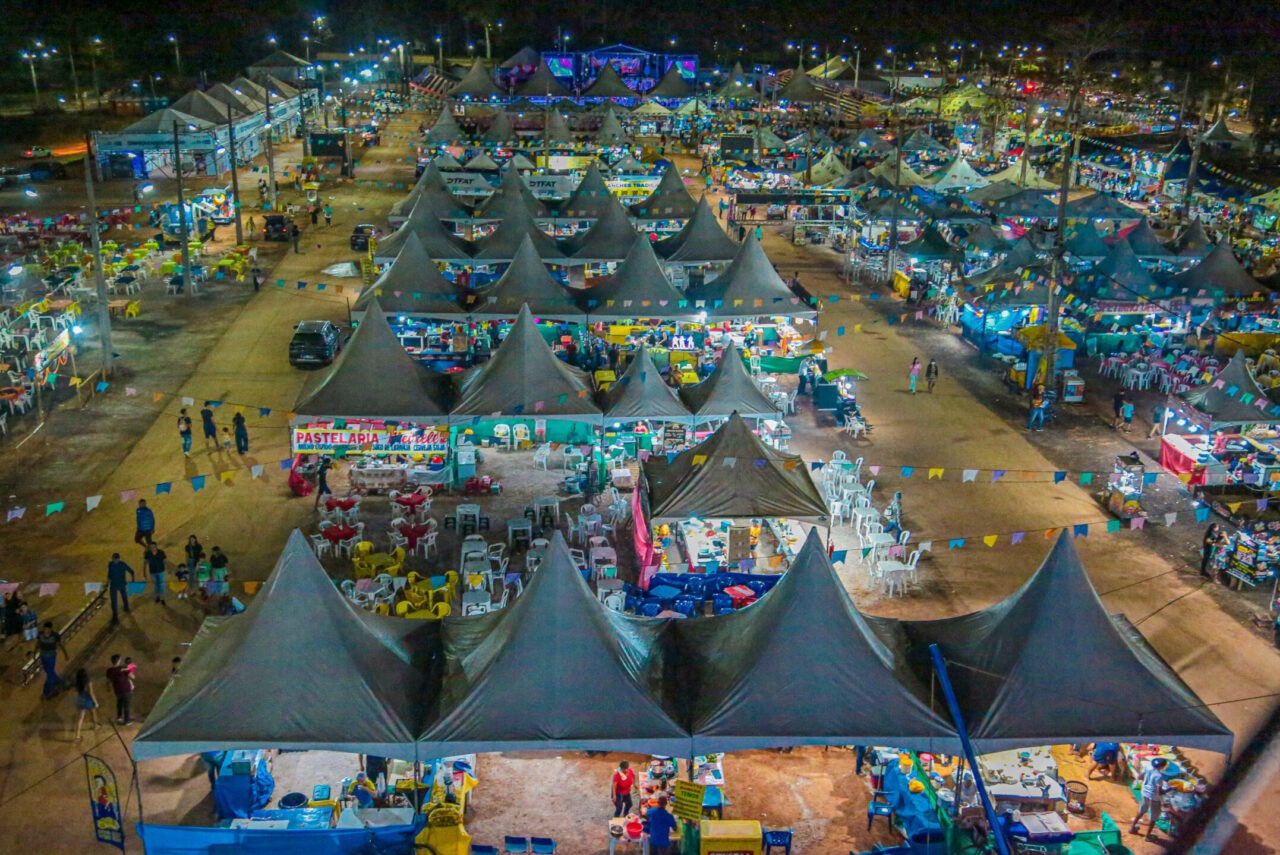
x,y
844,372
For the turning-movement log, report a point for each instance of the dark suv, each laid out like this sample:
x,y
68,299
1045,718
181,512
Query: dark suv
x,y
314,343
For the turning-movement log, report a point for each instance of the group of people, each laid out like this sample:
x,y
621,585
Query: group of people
x,y
238,433
658,821
929,371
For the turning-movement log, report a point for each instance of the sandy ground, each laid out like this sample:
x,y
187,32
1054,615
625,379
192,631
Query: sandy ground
x,y
229,344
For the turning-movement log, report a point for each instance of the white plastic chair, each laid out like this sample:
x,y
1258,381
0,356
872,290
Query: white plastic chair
x,y
502,433
542,456
520,434
321,545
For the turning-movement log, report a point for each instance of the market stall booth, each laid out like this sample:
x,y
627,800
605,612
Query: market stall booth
x,y
379,407
1206,431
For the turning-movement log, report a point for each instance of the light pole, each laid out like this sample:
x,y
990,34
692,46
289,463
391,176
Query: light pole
x,y
104,311
271,159
235,179
75,78
188,281
94,48
30,56
306,45
439,55
177,53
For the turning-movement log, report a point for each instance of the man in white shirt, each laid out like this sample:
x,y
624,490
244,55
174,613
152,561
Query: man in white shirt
x,y
1152,786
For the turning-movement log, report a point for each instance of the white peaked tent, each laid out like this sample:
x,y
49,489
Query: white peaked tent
x,y
957,175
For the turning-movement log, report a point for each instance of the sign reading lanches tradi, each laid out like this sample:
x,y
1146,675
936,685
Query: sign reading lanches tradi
x,y
408,441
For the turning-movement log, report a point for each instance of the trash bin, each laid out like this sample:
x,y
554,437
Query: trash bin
x,y
292,801
1076,793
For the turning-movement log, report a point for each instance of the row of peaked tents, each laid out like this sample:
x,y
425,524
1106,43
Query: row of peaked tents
x,y
749,287
557,671
553,127
517,213
374,378
204,109
480,83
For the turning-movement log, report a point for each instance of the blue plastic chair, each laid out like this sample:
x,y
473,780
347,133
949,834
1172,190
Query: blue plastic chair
x,y
723,610
517,845
543,845
650,609
778,837
721,601
477,849
632,603
761,588
686,606
877,808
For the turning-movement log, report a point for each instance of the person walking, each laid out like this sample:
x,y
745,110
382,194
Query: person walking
x,y
622,785
48,642
1117,406
1157,421
206,423
145,522
759,233
294,234
1126,414
1152,786
86,702
154,560
257,280
1212,538
328,215
742,233
241,432
315,215
322,479
931,374
120,676
184,431
913,373
118,575
252,227
1035,421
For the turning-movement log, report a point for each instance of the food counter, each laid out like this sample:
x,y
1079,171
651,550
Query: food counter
x,y
1023,780
718,544
1183,455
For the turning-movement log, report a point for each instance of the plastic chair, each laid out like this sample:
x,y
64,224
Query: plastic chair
x,y
502,433
519,436
780,838
876,808
650,609
542,845
478,849
515,844
542,456
321,545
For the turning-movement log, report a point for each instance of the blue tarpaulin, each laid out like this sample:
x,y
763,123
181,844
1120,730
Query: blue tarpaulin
x,y
190,840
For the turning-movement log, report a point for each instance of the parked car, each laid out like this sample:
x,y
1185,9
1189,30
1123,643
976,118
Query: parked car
x,y
314,343
37,151
361,234
275,227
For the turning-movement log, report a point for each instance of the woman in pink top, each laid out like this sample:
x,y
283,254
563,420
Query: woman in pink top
x,y
914,374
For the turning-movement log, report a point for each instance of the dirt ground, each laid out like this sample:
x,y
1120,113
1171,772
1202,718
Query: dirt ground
x,y
229,344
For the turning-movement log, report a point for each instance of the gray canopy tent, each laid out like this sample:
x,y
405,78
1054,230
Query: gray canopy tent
x,y
1101,206
672,85
1121,276
524,378
608,84
301,668
500,130
1220,270
440,202
525,282
701,241
1193,242
1048,666
1214,407
516,228
590,199
542,84
609,239
512,196
412,285
738,87
748,288
477,83
556,128
641,393
554,670
445,130
1083,242
375,378
611,131
800,88
804,639
1145,244
732,474
728,390
670,200
637,289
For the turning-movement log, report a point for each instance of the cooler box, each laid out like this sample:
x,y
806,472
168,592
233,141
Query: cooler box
x,y
731,836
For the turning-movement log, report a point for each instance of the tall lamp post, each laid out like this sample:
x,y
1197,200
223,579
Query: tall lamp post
x,y
235,178
95,47
177,53
188,280
30,57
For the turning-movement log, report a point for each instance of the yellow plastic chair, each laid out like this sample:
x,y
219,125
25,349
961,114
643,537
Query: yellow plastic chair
x,y
398,554
441,610
364,570
364,549
133,309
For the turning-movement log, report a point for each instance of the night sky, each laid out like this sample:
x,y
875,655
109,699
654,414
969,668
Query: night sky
x,y
221,36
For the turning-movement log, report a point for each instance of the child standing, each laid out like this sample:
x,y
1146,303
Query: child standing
x,y
1126,413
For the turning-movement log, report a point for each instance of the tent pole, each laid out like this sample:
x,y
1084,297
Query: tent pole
x,y
940,668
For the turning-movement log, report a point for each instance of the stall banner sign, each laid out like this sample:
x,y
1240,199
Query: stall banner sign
x,y
566,162
104,801
311,440
687,804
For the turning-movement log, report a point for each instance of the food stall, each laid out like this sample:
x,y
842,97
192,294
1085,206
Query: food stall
x,y
1251,554
382,455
